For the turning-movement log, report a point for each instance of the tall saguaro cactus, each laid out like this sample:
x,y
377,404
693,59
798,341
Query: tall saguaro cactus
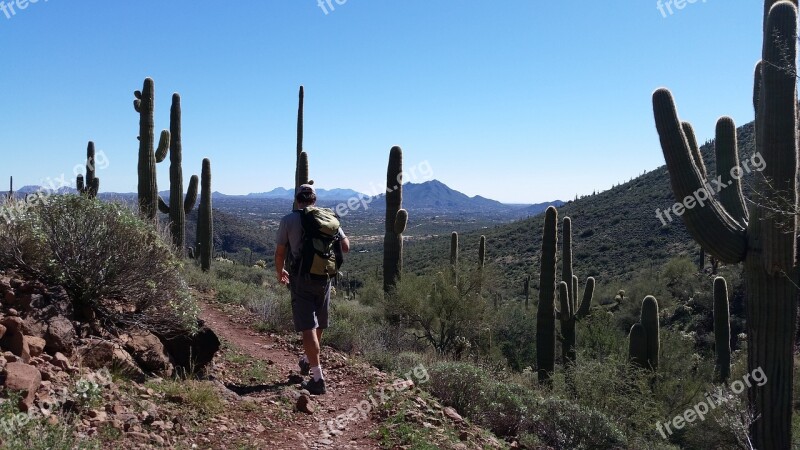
x,y
396,221
90,184
546,312
764,241
722,329
178,206
205,220
149,155
297,178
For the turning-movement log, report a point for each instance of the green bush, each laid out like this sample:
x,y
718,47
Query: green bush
x,y
114,266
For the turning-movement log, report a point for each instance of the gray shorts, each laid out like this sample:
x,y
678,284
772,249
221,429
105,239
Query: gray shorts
x,y
310,300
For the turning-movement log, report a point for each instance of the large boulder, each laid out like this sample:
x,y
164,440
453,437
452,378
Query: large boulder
x,y
60,336
149,352
192,353
25,379
99,353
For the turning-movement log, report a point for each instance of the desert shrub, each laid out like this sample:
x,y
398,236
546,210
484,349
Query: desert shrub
x,y
565,425
274,309
515,335
114,265
354,327
439,311
22,431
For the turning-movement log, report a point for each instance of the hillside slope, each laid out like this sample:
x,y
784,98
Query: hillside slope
x,y
616,232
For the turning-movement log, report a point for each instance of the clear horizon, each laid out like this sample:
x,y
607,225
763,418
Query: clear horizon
x,y
489,96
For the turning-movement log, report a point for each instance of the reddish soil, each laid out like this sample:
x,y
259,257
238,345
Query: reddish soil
x,y
347,385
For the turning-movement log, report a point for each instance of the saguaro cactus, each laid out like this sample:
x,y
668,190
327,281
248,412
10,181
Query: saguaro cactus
x,y
765,241
526,288
545,313
722,330
178,207
579,310
90,184
205,220
396,221
645,339
482,252
144,104
298,180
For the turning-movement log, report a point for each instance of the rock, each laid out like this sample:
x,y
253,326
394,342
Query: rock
x,y
61,361
148,350
14,340
35,345
2,331
99,353
451,413
24,378
60,335
32,326
304,404
12,312
192,353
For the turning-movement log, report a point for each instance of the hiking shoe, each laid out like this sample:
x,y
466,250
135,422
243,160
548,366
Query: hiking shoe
x,y
305,367
314,387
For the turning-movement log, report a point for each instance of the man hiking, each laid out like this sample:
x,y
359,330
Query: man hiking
x,y
308,236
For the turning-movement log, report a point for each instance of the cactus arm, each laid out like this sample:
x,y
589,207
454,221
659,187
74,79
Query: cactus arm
x,y
574,298
191,195
79,184
163,146
401,221
722,329
697,157
727,156
162,205
710,225
545,313
566,255
588,293
566,304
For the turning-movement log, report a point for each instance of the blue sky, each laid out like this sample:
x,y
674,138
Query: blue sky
x,y
518,100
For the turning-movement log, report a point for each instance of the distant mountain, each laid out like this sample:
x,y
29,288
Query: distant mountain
x,y
322,194
539,208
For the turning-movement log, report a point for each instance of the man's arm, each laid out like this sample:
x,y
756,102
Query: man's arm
x,y
280,259
344,241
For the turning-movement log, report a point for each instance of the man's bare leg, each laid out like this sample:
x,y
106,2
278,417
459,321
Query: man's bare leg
x,y
311,346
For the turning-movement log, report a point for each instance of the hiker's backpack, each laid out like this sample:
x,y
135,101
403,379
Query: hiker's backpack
x,y
318,256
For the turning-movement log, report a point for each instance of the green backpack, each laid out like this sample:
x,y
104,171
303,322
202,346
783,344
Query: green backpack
x,y
318,255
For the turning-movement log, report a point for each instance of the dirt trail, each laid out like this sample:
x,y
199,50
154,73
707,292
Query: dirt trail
x,y
347,385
